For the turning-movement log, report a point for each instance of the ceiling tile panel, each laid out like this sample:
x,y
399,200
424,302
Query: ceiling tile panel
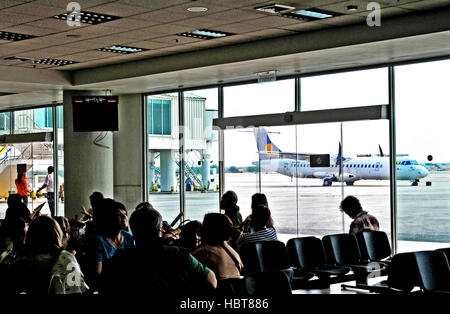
x,y
139,34
231,16
29,30
168,29
88,55
176,40
182,8
118,9
148,44
162,16
200,22
305,26
239,28
130,23
33,9
59,25
15,19
63,4
154,4
52,52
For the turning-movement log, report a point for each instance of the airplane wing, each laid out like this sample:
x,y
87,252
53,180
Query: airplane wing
x,y
286,155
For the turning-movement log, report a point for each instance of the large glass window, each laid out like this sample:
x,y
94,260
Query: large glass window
x,y
201,156
33,120
422,108
163,154
5,122
342,90
263,98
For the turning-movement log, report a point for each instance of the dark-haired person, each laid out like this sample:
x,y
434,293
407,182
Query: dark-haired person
x,y
229,204
152,267
110,236
48,183
190,235
94,199
45,268
257,199
361,219
22,187
215,252
259,231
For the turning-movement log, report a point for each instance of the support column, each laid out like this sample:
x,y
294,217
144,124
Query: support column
x,y
167,176
87,167
129,176
151,168
205,171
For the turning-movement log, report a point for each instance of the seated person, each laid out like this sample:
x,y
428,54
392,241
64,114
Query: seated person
x,y
257,199
190,235
215,252
153,267
361,219
45,268
258,230
229,204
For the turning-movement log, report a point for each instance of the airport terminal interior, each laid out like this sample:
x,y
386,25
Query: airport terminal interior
x,y
176,102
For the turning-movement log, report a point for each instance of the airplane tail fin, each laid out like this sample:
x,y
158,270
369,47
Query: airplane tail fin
x,y
266,148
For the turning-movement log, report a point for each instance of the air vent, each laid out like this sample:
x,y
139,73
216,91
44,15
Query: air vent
x,y
122,49
205,34
56,62
310,14
14,36
22,59
88,17
275,8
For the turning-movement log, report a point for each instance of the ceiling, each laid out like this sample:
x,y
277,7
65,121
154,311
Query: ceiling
x,y
154,25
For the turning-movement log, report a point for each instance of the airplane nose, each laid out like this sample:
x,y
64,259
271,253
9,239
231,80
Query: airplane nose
x,y
423,172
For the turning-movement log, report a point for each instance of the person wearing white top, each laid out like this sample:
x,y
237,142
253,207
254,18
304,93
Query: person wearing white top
x,y
48,183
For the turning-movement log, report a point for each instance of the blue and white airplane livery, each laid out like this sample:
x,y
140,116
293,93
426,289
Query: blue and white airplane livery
x,y
297,165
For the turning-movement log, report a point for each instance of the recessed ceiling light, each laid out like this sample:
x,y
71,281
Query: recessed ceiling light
x,y
122,49
205,34
14,36
88,17
311,14
197,9
352,7
275,8
56,62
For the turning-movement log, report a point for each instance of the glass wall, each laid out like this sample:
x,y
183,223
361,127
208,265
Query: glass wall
x,y
163,158
422,109
255,99
201,153
5,122
342,90
59,195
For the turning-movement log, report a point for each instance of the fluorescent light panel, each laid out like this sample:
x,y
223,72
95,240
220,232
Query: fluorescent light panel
x,y
275,8
56,62
311,14
88,17
14,36
205,34
122,49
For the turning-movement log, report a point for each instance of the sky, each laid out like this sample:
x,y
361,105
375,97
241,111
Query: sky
x,y
422,113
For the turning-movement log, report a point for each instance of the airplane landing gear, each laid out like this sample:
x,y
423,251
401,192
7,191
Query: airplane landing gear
x,y
415,183
327,182
349,183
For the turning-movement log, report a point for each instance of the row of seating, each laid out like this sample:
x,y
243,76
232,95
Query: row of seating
x,y
309,262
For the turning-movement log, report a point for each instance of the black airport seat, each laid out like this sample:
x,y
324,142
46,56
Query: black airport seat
x,y
344,250
269,255
403,276
434,271
268,283
308,254
374,246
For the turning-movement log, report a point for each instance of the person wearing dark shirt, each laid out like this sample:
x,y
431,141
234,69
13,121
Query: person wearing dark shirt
x,y
153,267
361,219
229,204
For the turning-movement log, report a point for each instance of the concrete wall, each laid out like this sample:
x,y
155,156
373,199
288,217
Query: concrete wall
x,y
87,167
128,153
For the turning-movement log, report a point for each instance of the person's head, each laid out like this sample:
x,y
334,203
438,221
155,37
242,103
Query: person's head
x,y
44,235
50,169
108,218
14,199
229,200
94,198
190,234
259,199
146,225
351,206
65,228
123,216
216,229
18,211
260,217
144,205
20,176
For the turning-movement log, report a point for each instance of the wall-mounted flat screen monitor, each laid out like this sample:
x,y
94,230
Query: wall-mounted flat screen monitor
x,y
322,160
95,113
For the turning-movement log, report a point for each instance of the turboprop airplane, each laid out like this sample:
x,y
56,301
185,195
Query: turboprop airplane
x,y
337,169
